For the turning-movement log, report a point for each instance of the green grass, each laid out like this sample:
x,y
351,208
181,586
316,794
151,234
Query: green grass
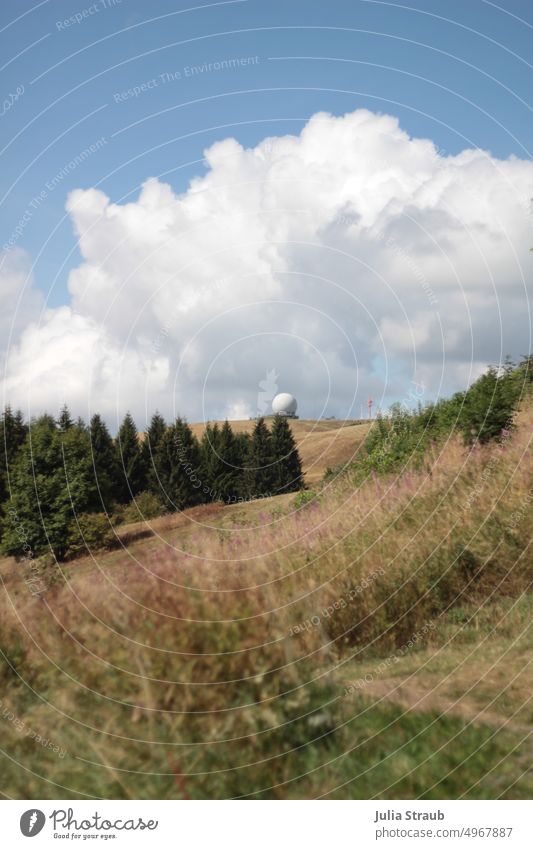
x,y
178,673
380,752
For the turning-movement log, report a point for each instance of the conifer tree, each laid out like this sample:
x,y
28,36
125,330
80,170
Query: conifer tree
x,y
260,467
150,447
489,404
212,464
132,477
53,483
12,434
178,462
65,419
107,471
234,449
288,466
223,461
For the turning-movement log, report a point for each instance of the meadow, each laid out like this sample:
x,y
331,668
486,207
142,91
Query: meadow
x,y
360,639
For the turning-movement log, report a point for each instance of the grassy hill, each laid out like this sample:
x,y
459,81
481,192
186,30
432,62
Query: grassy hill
x,y
371,642
321,444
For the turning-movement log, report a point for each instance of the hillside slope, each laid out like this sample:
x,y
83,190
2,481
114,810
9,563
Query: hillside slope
x,y
374,642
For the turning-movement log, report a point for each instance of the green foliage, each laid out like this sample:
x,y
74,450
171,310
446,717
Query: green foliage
x,y
105,464
482,414
90,532
394,441
260,476
489,405
223,457
305,496
12,434
150,446
288,466
178,463
52,481
132,474
65,421
146,505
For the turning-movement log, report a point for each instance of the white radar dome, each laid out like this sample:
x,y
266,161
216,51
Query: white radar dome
x,y
284,404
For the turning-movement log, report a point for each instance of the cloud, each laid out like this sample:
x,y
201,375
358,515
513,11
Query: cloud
x,y
20,302
351,259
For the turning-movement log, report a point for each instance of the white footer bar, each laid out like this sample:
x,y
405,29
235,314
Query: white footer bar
x,y
267,825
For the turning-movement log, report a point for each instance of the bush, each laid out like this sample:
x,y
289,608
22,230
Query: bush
x,y
146,505
90,531
490,405
305,496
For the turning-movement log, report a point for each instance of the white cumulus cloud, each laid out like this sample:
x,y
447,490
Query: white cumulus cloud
x,y
351,259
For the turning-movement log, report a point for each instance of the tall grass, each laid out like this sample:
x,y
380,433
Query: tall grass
x,y
215,664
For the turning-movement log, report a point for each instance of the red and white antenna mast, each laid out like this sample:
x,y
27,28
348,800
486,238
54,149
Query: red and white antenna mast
x,y
370,402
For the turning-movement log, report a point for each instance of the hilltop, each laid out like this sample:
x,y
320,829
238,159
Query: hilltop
x,y
322,443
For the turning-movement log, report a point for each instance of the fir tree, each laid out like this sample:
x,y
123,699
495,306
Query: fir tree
x,y
53,483
12,434
212,464
233,450
65,421
489,404
223,458
288,466
150,446
260,473
178,462
132,477
106,468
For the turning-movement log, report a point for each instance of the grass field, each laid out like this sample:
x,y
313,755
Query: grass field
x,y
374,642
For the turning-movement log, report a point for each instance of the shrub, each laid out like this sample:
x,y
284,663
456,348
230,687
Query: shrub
x,y
305,496
90,531
146,505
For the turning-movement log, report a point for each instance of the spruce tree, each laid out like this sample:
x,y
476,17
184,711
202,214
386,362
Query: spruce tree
x,y
178,461
65,419
106,467
233,450
260,467
150,446
18,432
12,435
132,476
212,464
489,405
223,460
53,483
288,466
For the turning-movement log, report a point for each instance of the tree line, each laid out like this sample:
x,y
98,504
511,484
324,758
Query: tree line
x,y
57,474
481,414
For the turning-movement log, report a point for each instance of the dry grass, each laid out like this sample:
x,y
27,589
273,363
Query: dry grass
x,y
245,624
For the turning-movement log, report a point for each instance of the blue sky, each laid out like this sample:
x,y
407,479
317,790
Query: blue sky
x,y
129,90
455,72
